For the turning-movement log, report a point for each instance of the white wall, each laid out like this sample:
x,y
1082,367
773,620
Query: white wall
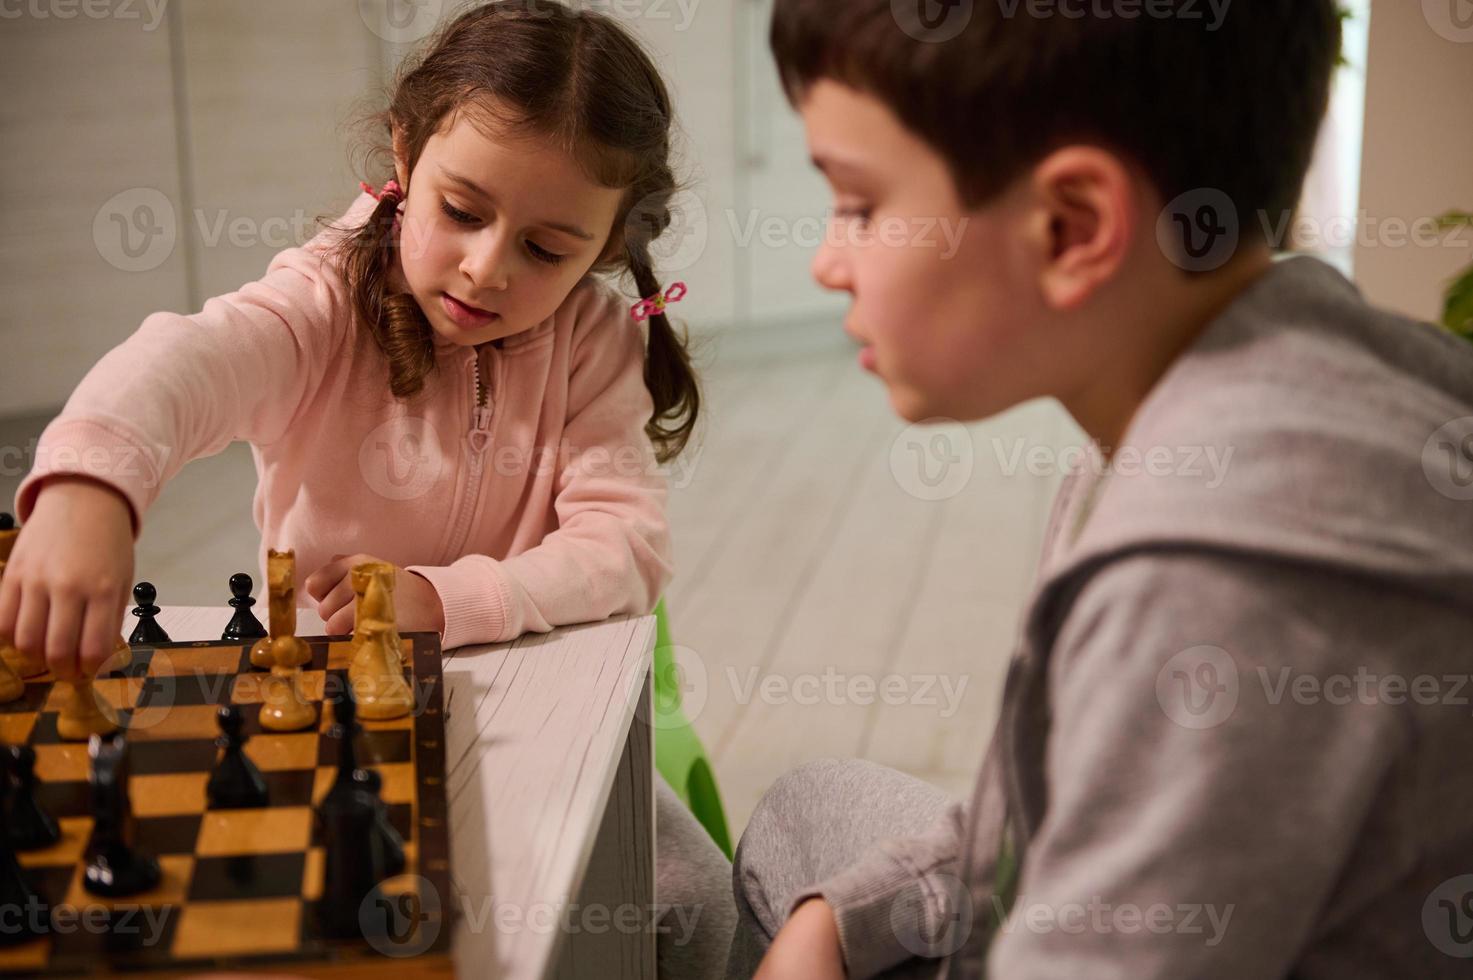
x,y
1418,159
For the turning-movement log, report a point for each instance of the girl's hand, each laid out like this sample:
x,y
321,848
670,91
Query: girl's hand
x,y
806,947
68,580
416,603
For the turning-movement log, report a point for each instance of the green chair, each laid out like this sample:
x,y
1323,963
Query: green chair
x,y
679,755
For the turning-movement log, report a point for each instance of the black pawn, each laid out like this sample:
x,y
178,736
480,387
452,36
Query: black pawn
x,y
28,827
25,916
243,625
346,823
148,631
236,783
388,844
116,866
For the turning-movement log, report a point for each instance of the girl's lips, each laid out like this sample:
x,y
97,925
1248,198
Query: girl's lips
x,y
467,316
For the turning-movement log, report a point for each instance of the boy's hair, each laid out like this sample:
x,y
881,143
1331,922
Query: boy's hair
x,y
578,78
1194,98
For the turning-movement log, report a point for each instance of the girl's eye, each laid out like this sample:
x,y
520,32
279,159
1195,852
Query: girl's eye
x,y
455,214
543,255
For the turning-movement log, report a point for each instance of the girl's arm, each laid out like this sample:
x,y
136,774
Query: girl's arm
x,y
611,551
184,387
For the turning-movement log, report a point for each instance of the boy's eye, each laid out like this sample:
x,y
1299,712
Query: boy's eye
x,y
455,214
854,213
543,255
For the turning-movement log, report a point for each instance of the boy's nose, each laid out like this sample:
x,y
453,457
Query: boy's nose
x,y
830,269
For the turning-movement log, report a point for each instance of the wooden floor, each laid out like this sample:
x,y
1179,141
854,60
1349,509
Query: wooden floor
x,y
822,607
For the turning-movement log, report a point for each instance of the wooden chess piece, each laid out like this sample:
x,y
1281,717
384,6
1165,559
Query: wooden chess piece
x,y
27,825
376,672
84,712
236,781
284,709
362,573
281,585
11,684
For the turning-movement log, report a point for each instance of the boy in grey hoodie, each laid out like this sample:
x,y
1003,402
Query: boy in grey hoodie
x,y
1236,733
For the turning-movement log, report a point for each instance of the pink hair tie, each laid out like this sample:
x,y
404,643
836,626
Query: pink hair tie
x,y
391,190
647,308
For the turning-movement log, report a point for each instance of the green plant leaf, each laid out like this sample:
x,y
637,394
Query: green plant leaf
x,y
1455,219
1457,315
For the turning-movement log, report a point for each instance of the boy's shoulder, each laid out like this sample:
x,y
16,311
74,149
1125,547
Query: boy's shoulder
x,y
1304,425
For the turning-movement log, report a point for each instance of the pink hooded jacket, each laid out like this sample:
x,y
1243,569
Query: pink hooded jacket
x,y
519,482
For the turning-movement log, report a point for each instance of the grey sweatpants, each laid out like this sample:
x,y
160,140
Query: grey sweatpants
x,y
813,822
693,892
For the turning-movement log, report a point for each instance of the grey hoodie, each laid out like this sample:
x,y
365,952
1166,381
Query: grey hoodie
x,y
1237,735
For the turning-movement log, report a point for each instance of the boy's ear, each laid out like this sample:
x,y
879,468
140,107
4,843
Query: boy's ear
x,y
1086,199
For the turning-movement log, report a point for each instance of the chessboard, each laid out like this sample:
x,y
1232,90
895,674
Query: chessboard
x,y
240,888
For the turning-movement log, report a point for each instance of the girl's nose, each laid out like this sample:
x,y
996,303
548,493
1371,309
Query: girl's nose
x,y
485,265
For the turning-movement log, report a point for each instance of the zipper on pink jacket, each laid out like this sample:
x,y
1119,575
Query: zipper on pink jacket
x,y
476,441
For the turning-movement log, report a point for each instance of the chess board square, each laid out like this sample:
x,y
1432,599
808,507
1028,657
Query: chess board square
x,y
291,788
152,756
62,762
65,799
75,833
168,794
15,729
376,747
98,931
32,699
163,722
255,688
25,957
169,835
190,661
213,929
312,873
44,731
120,692
52,883
187,689
245,876
328,719
398,782
171,888
401,818
272,751
262,831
